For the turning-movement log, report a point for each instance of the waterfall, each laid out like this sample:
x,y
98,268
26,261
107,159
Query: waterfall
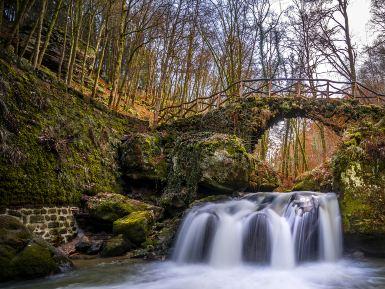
x,y
280,229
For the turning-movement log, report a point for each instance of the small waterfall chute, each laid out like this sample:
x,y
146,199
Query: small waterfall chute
x,y
280,229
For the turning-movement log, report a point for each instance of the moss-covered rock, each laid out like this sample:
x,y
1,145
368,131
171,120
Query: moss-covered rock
x,y
319,180
116,246
263,178
210,199
34,261
134,227
211,164
24,256
13,233
142,157
110,206
225,164
359,174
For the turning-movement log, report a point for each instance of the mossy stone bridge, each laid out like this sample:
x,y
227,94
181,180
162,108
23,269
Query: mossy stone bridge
x,y
250,109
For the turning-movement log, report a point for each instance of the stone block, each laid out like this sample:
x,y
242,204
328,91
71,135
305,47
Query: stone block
x,y
52,225
36,219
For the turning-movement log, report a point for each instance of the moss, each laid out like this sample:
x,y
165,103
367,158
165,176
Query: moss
x,y
135,226
13,233
116,246
359,174
206,163
210,199
34,261
306,185
55,146
7,253
142,157
110,207
24,256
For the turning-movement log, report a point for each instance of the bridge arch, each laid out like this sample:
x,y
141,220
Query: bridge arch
x,y
250,117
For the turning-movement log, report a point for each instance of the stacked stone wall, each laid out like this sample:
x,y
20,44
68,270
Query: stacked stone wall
x,y
56,225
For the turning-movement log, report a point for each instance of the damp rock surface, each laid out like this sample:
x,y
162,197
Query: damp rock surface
x,y
25,256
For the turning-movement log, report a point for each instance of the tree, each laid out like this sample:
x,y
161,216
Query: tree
x,y
335,42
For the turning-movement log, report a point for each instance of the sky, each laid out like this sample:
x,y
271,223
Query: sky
x,y
359,16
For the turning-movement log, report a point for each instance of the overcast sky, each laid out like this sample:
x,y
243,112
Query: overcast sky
x,y
359,14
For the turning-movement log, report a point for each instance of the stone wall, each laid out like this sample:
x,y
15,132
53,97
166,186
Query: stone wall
x,y
54,224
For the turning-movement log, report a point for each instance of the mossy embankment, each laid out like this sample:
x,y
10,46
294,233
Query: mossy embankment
x,y
54,144
357,173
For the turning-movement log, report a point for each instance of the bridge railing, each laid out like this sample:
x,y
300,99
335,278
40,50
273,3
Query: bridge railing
x,y
278,87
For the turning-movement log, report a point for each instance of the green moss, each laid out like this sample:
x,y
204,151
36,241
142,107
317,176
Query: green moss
x,y
116,246
7,253
142,157
135,226
359,174
306,185
210,163
13,233
34,261
210,199
110,207
55,146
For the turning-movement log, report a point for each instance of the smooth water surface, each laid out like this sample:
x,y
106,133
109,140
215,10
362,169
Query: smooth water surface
x,y
344,274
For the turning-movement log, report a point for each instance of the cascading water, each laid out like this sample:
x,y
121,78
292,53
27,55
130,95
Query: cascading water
x,y
281,229
222,242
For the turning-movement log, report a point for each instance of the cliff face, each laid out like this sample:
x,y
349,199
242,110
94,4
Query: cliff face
x,y
54,145
359,174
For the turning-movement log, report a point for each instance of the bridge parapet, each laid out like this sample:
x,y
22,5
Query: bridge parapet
x,y
300,88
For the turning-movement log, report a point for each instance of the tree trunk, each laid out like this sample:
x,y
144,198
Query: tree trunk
x,y
49,33
75,40
38,36
119,58
24,10
98,41
1,13
85,53
29,39
64,41
100,64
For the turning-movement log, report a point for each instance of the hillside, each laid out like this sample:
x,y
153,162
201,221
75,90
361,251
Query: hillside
x,y
54,144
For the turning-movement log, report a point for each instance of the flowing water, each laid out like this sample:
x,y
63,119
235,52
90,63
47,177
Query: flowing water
x,y
266,241
281,230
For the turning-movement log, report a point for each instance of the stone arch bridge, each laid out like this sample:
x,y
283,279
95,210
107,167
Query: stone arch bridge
x,y
250,117
248,107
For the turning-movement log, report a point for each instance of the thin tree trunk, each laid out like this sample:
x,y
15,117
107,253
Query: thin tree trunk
x,y
119,58
75,41
85,53
1,13
98,40
24,10
38,36
100,64
29,39
323,141
49,33
64,40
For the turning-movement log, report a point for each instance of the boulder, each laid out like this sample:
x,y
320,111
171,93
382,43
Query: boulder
x,y
110,207
87,246
212,164
116,246
142,158
24,256
83,245
319,179
225,164
135,226
359,175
